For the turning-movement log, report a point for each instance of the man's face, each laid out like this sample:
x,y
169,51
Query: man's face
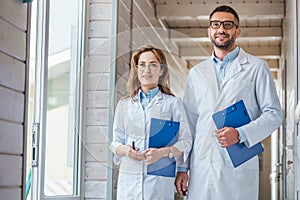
x,y
221,37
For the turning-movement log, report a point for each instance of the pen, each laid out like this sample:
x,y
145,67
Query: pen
x,y
133,147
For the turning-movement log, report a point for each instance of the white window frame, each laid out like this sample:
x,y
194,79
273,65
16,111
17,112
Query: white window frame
x,y
40,99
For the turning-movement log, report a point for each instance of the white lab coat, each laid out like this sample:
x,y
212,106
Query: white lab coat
x,y
212,175
132,123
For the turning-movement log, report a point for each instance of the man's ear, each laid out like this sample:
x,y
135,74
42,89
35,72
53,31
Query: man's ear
x,y
208,32
238,32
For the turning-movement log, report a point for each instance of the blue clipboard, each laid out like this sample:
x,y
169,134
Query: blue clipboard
x,y
163,133
235,116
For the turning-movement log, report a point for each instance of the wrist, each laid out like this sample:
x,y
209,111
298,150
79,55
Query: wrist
x,y
171,153
167,152
237,135
121,150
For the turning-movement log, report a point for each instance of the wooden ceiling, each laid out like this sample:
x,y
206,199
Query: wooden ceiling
x,y
260,21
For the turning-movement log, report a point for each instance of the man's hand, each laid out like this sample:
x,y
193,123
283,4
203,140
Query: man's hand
x,y
181,181
227,136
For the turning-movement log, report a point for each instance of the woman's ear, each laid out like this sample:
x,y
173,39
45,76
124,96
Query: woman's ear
x,y
161,72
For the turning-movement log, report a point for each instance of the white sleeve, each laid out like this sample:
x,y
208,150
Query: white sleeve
x,y
184,143
118,132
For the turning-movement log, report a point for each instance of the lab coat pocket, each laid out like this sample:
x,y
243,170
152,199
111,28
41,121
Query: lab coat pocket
x,y
159,187
160,112
241,88
134,126
139,142
129,165
251,164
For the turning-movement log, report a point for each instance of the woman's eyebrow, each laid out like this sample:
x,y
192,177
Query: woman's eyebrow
x,y
152,61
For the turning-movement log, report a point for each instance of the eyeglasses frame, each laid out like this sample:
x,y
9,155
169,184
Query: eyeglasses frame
x,y
142,68
222,24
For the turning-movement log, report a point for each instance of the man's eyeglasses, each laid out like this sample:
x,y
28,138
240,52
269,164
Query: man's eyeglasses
x,y
215,24
152,66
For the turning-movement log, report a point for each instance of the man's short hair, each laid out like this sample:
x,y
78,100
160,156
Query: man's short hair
x,y
225,8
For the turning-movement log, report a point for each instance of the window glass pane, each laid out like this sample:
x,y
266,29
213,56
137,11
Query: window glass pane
x,y
60,165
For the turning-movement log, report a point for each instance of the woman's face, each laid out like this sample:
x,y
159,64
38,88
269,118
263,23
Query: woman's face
x,y
149,71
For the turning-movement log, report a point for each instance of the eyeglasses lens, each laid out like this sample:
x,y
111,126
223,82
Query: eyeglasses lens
x,y
152,66
218,24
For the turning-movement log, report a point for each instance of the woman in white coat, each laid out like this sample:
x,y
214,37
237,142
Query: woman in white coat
x,y
228,76
149,97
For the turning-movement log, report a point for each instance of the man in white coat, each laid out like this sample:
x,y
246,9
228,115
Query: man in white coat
x,y
228,76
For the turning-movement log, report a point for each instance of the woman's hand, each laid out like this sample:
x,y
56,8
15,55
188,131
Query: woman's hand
x,y
127,150
153,154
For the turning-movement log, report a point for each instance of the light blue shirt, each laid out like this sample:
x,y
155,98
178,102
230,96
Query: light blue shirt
x,y
146,98
222,67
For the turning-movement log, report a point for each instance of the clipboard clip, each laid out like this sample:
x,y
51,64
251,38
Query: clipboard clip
x,y
230,109
170,122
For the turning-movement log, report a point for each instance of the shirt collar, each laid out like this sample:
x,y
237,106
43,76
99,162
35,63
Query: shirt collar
x,y
229,57
150,94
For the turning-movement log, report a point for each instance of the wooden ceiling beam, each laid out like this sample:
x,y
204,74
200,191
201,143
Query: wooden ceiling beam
x,y
196,53
200,34
202,11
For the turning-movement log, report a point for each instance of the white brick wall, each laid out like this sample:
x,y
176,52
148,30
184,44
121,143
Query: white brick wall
x,y
97,99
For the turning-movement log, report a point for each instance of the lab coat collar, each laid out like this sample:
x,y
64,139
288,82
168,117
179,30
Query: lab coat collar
x,y
150,94
236,67
157,99
208,71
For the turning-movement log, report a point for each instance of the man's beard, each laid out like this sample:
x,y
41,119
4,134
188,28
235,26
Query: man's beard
x,y
227,45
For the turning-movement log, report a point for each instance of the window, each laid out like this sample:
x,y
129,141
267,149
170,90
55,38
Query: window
x,y
57,105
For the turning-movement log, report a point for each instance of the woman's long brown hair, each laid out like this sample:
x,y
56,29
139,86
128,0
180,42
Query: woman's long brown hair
x,y
133,84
